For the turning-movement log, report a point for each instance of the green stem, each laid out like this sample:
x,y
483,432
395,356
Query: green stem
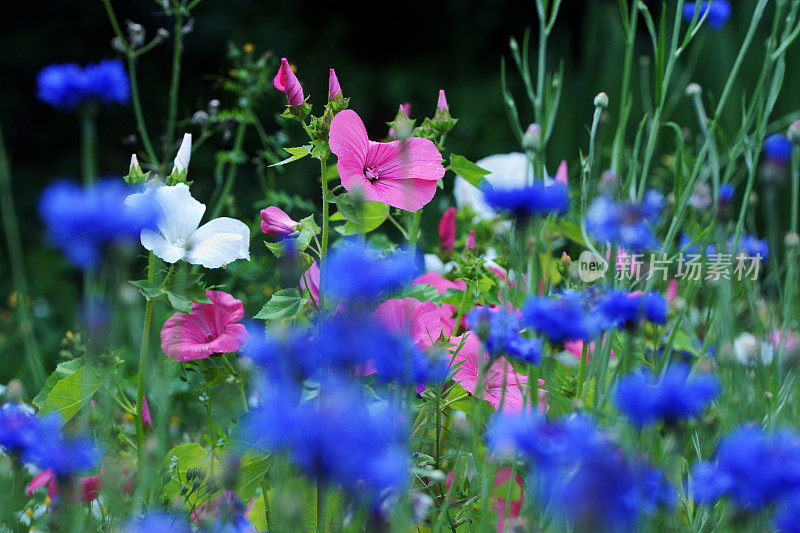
x,y
582,370
320,505
88,147
413,233
32,352
266,500
174,81
230,178
148,318
323,167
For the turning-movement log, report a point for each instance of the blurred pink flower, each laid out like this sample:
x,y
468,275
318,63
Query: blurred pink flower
x,y
672,290
275,222
286,81
792,343
310,281
402,174
439,282
575,347
499,376
334,89
89,486
447,229
562,175
471,240
209,329
146,420
499,505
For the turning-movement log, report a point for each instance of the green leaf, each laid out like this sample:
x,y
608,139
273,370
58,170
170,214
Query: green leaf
x,y
422,292
298,152
71,393
346,207
253,466
283,304
180,459
309,224
62,370
148,290
370,217
467,169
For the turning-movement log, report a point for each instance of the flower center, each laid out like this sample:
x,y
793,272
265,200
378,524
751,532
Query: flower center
x,y
371,174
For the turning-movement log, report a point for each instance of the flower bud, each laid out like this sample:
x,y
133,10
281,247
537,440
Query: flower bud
x,y
694,89
275,222
562,174
532,140
286,81
181,163
791,240
601,100
471,240
136,34
334,89
447,229
442,110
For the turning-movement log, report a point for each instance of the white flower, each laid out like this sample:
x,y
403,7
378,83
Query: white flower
x,y
212,245
184,154
746,347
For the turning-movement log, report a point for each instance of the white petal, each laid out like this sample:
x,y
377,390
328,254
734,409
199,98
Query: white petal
x,y
181,213
134,164
156,243
219,242
181,162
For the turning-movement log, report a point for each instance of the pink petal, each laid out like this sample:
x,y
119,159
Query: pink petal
x,y
562,176
441,105
439,282
426,324
286,81
333,85
41,479
310,281
348,140
90,487
499,505
409,194
415,158
447,229
275,222
146,420
471,240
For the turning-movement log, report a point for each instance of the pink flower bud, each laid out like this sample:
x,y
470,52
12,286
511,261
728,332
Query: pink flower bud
x,y
274,222
672,290
286,81
471,240
562,176
447,229
334,89
441,105
146,420
406,109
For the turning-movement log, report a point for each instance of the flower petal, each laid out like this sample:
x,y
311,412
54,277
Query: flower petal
x,y
348,139
156,243
410,194
416,158
219,242
181,214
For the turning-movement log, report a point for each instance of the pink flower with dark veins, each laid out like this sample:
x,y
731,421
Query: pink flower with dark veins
x,y
209,329
286,81
402,174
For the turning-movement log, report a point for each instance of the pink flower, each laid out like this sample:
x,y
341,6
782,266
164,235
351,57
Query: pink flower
x,y
275,222
792,343
146,420
209,329
310,281
499,505
286,81
89,486
471,240
447,229
402,174
500,382
576,349
672,290
334,89
439,282
562,176
441,105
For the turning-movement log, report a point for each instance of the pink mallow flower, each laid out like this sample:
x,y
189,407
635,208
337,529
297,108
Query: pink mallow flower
x,y
89,486
286,81
447,229
208,329
334,89
402,174
275,222
310,281
448,311
499,377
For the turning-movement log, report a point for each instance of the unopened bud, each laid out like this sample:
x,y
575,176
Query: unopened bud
x,y
532,140
213,107
792,240
693,89
116,44
162,34
601,100
136,33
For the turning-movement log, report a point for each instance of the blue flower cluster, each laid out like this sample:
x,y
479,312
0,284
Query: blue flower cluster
x,y
537,199
750,245
672,397
625,310
564,317
40,441
581,472
83,221
500,331
777,148
339,435
69,85
752,468
354,270
628,224
153,521
719,11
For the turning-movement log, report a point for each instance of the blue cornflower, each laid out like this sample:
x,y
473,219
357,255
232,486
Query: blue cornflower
x,y
83,221
355,270
624,310
67,86
338,436
787,519
726,192
718,12
536,199
753,246
561,318
777,148
153,521
674,396
580,471
628,224
64,455
751,467
18,424
499,329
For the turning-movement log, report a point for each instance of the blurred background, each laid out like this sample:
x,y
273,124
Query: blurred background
x,y
384,54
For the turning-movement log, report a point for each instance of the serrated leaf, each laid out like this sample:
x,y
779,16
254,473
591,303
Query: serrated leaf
x,y
467,169
71,393
310,224
283,304
62,370
148,290
297,152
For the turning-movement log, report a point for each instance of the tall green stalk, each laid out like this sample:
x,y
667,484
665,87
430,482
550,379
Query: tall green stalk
x,y
32,352
148,318
88,147
177,50
323,167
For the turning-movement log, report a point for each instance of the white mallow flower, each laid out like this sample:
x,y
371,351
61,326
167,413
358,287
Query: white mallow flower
x,y
506,171
181,162
212,245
